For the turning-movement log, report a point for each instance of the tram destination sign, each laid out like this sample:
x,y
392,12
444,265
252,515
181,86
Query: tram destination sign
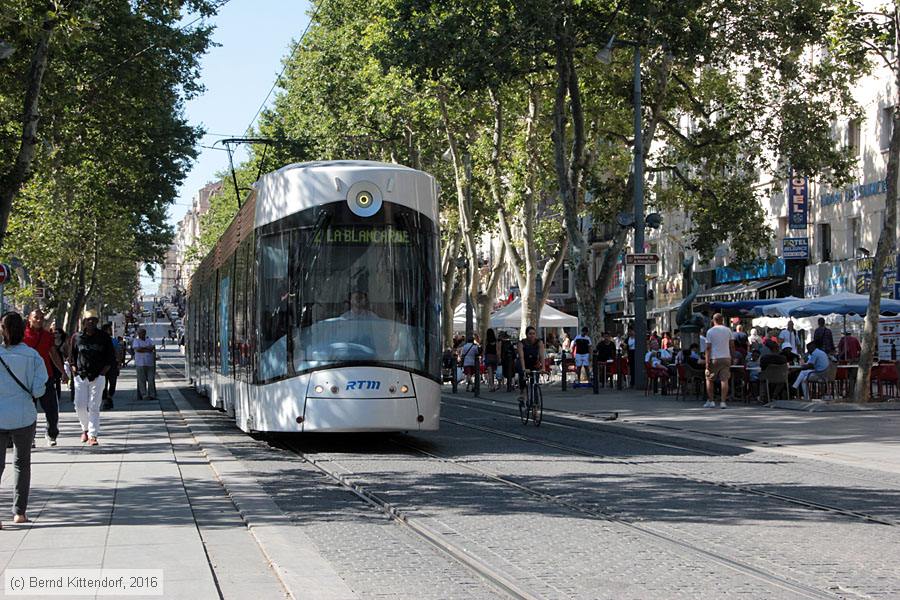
x,y
363,235
641,259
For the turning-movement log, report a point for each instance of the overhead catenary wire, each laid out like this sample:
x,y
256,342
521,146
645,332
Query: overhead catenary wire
x,y
284,66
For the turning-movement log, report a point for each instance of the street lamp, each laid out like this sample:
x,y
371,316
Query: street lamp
x,y
640,277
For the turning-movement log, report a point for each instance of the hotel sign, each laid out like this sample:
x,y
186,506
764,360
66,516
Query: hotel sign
x,y
798,202
795,248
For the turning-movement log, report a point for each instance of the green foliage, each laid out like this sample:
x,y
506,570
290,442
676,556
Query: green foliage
x,y
114,144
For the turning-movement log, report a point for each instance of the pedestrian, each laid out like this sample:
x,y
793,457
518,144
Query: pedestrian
x,y
849,347
39,338
630,343
666,343
109,388
60,374
719,349
789,336
824,337
91,356
23,377
145,365
468,353
741,341
492,358
582,345
566,342
507,359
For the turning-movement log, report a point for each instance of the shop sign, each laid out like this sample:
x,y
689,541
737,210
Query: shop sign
x,y
757,270
864,277
795,248
798,202
888,338
855,192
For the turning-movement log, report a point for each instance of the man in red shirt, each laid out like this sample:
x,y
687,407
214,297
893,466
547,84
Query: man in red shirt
x,y
42,341
849,347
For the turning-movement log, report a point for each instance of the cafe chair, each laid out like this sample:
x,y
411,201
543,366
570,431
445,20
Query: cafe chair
x,y
827,387
776,375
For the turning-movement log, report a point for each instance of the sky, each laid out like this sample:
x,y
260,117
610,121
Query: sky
x,y
253,37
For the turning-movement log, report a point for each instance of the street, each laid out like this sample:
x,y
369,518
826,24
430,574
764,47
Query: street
x,y
576,509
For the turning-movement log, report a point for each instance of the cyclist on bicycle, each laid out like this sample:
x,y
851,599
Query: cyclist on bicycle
x,y
531,357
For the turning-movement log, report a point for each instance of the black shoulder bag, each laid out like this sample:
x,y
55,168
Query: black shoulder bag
x,y
16,379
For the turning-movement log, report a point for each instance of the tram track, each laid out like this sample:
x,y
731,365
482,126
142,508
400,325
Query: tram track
x,y
347,479
597,424
642,529
502,583
507,584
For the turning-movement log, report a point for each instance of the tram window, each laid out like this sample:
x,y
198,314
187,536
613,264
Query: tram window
x,y
378,277
273,305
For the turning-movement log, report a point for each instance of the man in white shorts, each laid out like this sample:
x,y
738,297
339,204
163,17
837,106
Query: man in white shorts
x,y
719,349
582,348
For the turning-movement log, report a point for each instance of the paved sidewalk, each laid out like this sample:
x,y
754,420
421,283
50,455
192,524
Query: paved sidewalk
x,y
866,438
145,498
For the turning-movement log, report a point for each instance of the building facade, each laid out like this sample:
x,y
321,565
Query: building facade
x,y
178,269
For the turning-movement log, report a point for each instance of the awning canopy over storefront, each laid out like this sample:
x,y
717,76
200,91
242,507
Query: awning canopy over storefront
x,y
840,304
750,290
745,307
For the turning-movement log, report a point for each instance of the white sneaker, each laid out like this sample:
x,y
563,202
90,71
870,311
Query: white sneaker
x,y
723,405
709,404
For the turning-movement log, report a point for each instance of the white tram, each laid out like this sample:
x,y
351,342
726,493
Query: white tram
x,y
319,308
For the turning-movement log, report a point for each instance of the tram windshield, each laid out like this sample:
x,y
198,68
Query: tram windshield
x,y
361,291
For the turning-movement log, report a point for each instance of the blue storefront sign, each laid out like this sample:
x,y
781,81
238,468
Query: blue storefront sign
x,y
795,248
855,192
757,270
798,202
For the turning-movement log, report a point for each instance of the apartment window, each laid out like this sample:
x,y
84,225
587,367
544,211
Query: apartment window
x,y
825,242
887,127
854,236
853,137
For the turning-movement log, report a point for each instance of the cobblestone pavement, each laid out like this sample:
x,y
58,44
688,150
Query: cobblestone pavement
x,y
704,540
374,555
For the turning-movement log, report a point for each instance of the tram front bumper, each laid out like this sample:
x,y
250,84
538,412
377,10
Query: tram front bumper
x,y
362,414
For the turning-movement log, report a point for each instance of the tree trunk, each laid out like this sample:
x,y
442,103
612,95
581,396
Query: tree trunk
x,y
77,298
13,180
451,291
886,245
484,301
569,172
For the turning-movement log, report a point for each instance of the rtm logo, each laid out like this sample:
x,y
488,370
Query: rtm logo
x,y
363,385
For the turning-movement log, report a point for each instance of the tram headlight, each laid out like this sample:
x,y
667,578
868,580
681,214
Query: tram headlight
x,y
404,389
319,389
364,200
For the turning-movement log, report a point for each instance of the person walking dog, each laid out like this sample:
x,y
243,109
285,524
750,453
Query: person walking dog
x,y
23,378
91,356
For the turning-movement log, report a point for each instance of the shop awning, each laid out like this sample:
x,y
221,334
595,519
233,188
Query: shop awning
x,y
741,291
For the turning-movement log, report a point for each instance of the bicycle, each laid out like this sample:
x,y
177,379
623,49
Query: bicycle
x,y
533,405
